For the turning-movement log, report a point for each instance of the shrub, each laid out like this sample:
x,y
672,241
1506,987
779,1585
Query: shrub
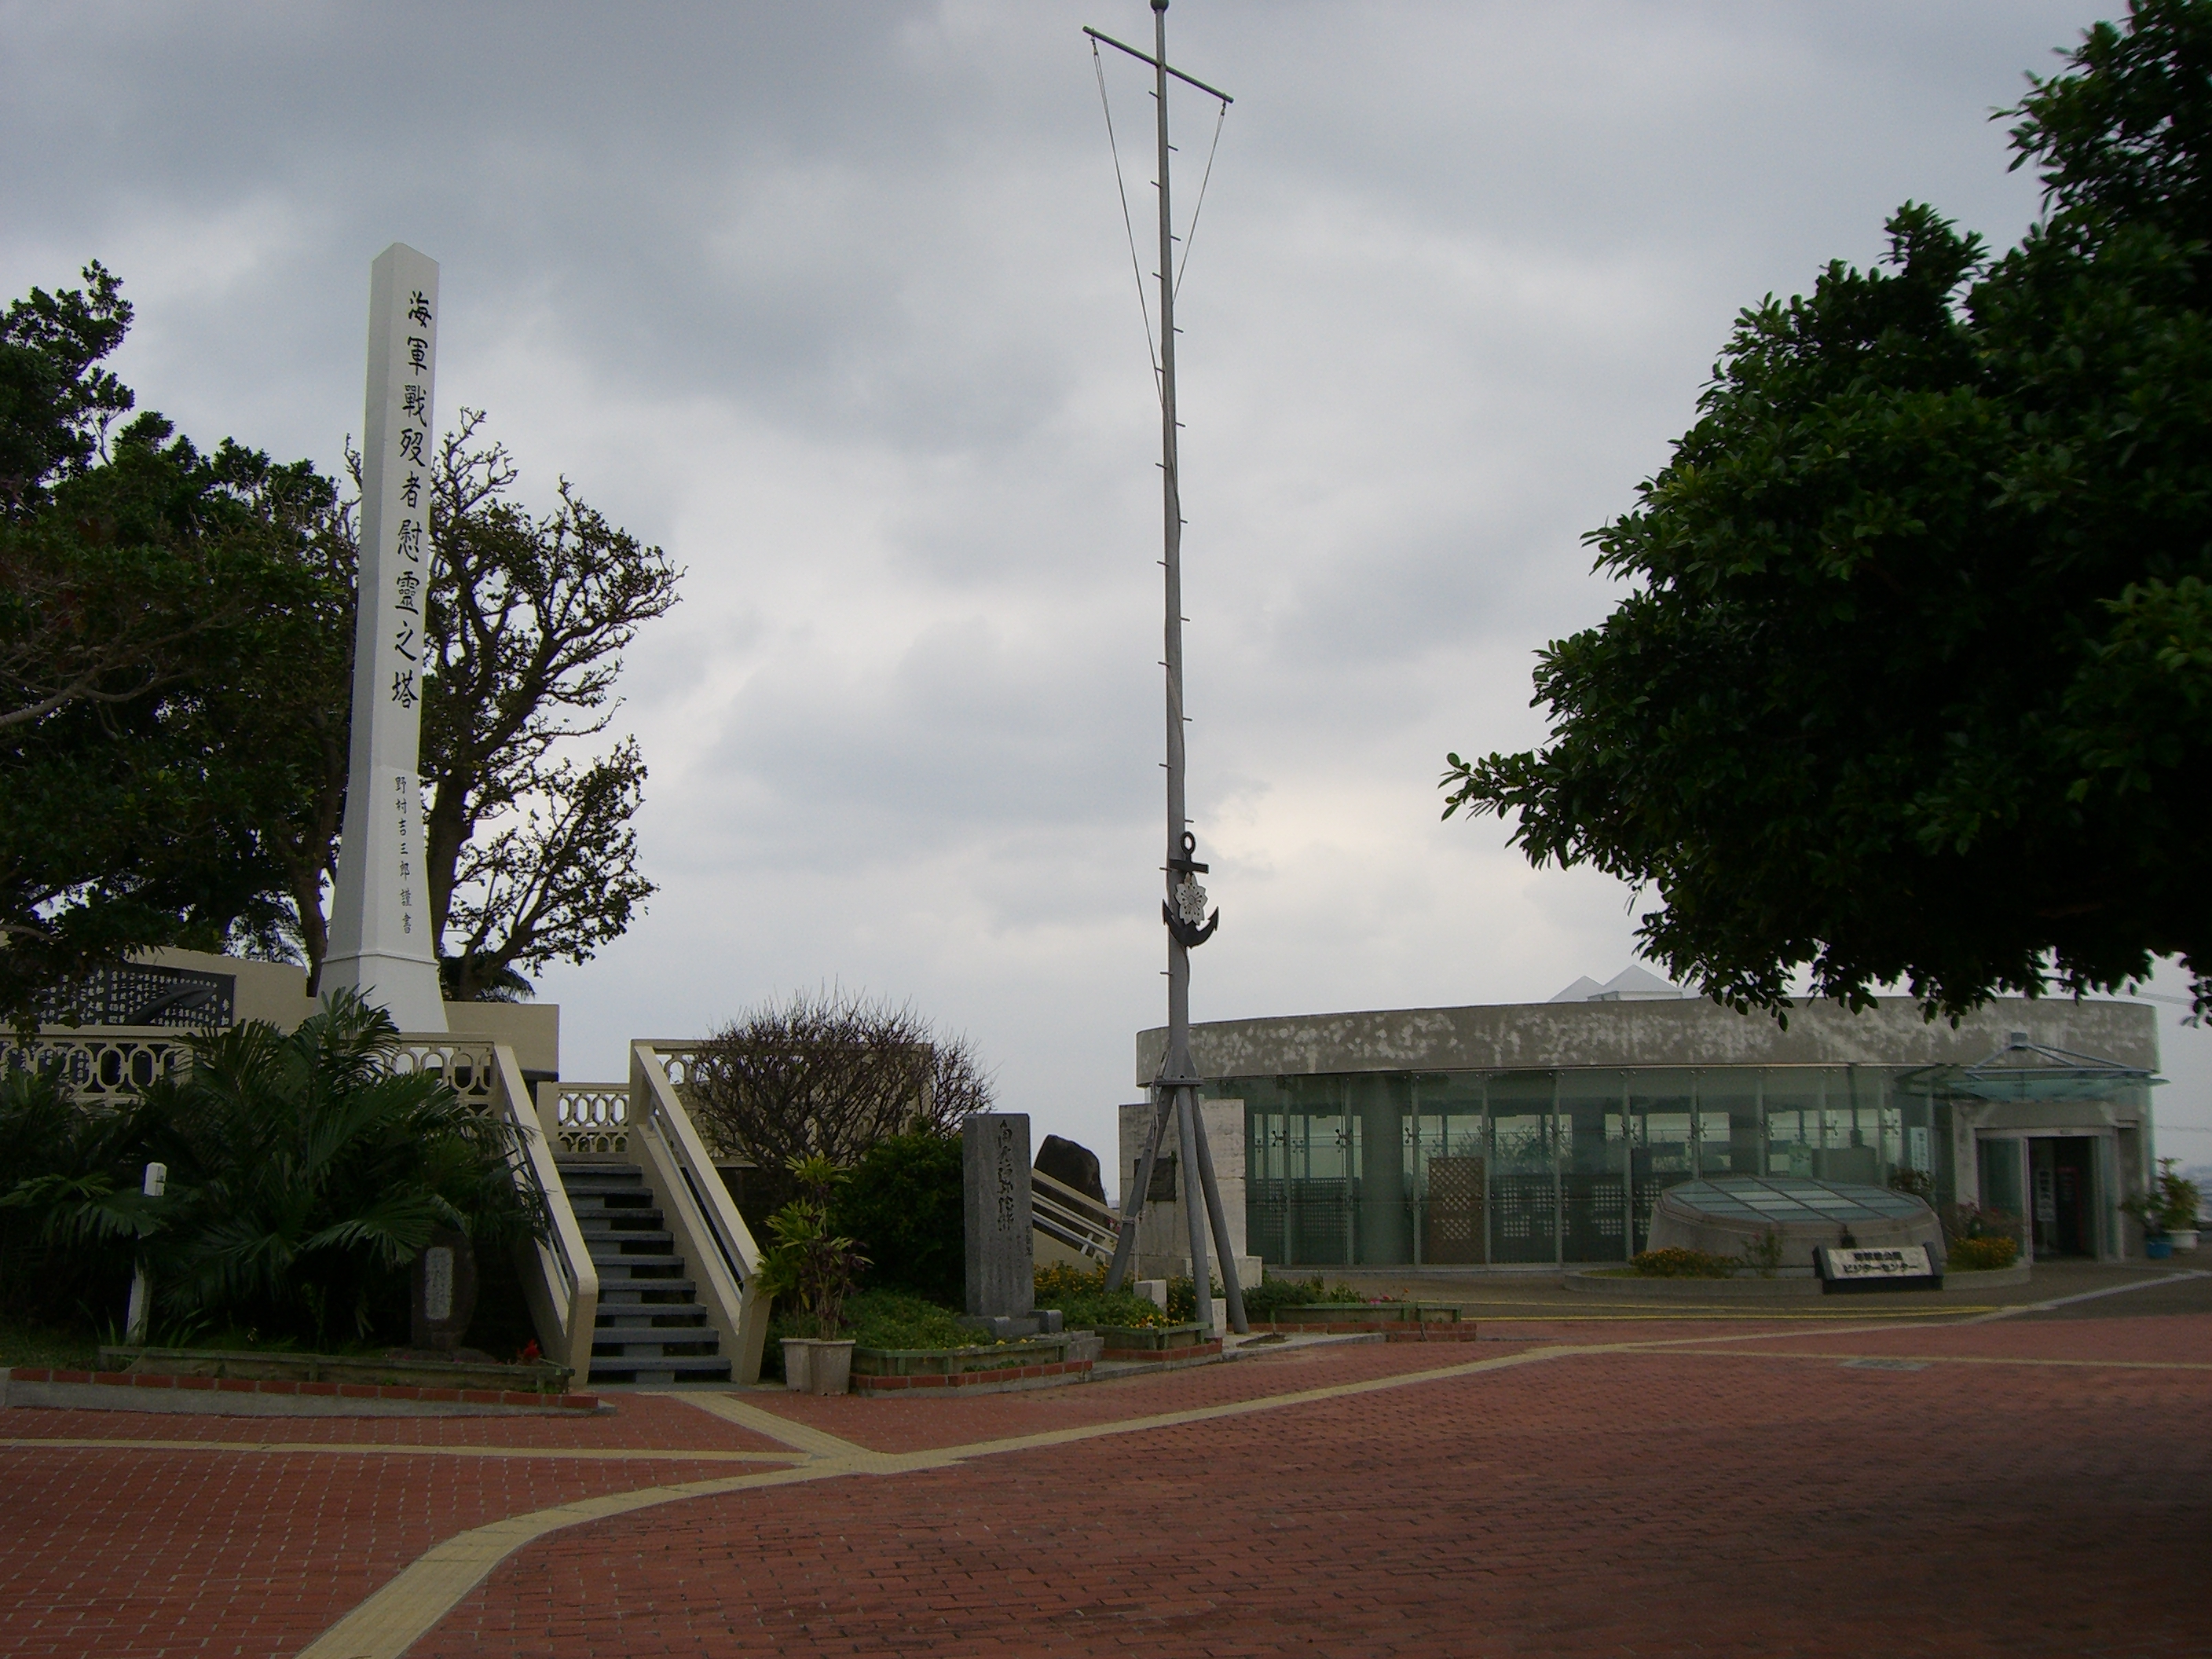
x,y
70,1210
901,1204
1261,1300
833,1074
1984,1254
1080,1295
1674,1262
1763,1255
305,1177
811,1260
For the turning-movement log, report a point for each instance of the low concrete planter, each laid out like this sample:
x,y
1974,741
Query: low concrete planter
x,y
1389,1316
1157,1343
365,1369
245,1396
814,1364
1636,1286
1041,1363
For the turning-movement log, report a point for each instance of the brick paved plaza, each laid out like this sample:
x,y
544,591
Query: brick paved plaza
x,y
1842,1481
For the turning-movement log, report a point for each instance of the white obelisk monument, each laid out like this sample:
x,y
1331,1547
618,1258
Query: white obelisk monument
x,y
380,942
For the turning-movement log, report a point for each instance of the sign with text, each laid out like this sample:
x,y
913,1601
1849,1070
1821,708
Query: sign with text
x,y
1896,1266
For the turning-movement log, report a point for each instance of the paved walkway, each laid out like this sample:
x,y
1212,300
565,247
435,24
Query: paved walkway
x,y
1846,1483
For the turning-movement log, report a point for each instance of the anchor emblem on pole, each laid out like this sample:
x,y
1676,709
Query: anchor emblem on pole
x,y
1185,910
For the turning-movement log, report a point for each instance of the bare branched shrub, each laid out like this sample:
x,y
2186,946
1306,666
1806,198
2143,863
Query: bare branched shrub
x,y
830,1073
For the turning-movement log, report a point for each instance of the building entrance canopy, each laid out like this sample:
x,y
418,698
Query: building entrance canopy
x,y
2027,1071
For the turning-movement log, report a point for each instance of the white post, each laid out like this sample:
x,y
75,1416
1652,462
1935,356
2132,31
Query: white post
x,y
380,942
142,1287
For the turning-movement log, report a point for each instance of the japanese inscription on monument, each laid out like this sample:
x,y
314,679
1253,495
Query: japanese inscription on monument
x,y
1001,1276
380,939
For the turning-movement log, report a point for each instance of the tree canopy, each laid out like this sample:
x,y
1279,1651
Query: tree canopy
x,y
1911,684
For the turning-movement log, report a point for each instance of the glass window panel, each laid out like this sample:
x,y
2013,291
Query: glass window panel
x,y
1592,1127
1523,1184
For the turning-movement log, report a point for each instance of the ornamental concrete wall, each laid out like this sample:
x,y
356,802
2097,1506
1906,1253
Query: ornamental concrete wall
x,y
1539,1036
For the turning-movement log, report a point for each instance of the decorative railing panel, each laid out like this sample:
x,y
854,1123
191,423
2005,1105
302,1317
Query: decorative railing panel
x,y
585,1120
468,1066
102,1068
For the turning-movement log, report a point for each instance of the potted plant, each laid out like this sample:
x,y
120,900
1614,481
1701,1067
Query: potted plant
x,y
2167,1212
815,1267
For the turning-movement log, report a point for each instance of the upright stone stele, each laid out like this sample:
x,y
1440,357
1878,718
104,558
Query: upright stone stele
x,y
380,942
994,1150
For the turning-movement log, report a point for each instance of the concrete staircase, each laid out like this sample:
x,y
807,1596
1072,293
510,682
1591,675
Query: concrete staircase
x,y
650,1327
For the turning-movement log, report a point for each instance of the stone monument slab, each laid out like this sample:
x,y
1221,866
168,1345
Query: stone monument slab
x,y
995,1215
380,942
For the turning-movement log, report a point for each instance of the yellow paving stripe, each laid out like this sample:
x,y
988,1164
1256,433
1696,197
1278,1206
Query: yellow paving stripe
x,y
1705,1315
761,1420
285,1448
1953,1359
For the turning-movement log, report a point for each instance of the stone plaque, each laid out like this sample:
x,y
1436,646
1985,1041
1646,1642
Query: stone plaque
x,y
995,1215
444,1287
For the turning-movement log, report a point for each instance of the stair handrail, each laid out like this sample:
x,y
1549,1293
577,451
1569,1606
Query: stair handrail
x,y
563,1292
1073,1216
719,1245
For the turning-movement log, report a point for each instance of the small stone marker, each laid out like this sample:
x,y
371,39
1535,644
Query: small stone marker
x,y
444,1292
995,1216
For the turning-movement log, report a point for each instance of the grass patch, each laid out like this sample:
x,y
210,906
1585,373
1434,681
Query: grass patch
x,y
44,1344
1677,1263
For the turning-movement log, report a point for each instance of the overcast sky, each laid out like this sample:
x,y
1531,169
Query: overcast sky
x,y
834,302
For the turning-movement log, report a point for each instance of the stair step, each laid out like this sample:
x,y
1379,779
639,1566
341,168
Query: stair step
x,y
652,1315
710,1348
646,1292
620,1224
642,1241
673,1369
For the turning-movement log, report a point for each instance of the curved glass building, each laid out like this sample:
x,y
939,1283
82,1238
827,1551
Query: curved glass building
x,y
1535,1133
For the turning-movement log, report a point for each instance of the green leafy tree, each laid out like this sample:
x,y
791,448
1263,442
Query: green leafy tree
x,y
1913,677
902,1204
149,593
531,853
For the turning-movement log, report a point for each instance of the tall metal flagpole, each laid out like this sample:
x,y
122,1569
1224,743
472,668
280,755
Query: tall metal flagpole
x,y
1175,1090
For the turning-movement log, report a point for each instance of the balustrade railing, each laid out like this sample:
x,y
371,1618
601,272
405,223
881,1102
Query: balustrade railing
x,y
676,1161
585,1120
104,1065
1073,1218
563,1290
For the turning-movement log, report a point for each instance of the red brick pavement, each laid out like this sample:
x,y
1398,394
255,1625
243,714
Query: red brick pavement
x,y
1724,1501
115,1552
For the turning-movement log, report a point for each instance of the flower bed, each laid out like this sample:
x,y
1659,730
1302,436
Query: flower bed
x,y
1041,1363
1396,1322
129,1383
264,1365
1157,1345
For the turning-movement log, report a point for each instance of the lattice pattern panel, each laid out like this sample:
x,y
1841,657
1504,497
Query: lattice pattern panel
x,y
586,1119
470,1069
1453,1230
102,1070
